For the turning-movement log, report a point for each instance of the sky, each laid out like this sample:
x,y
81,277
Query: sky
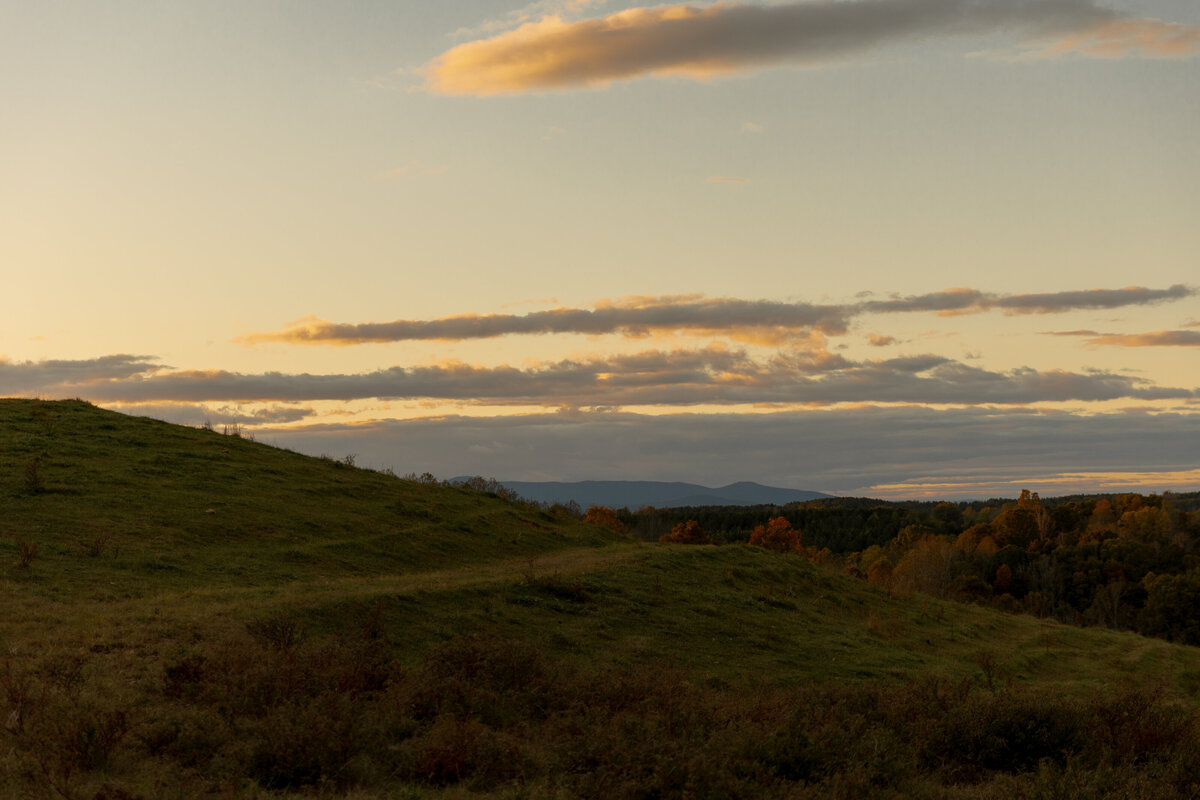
x,y
892,248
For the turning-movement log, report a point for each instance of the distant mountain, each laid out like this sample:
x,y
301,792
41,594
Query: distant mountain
x,y
635,494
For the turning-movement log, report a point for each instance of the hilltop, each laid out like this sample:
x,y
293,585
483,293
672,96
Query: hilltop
x,y
187,609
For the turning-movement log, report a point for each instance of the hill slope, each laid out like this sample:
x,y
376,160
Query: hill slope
x,y
207,612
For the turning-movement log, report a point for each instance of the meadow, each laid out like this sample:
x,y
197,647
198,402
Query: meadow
x,y
190,613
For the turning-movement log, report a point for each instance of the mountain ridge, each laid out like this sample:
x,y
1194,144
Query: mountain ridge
x,y
660,494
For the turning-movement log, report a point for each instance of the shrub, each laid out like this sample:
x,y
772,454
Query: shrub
x,y
26,552
453,750
32,476
1006,732
306,742
275,633
95,546
688,532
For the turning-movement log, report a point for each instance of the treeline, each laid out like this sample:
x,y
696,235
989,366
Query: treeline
x,y
1126,561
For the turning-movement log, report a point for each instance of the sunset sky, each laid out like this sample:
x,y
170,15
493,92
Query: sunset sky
x,y
897,248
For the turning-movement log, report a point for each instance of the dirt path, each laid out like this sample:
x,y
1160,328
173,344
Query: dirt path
x,y
564,562
147,623
320,591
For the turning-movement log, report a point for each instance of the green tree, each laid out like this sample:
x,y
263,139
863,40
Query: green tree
x,y
1172,607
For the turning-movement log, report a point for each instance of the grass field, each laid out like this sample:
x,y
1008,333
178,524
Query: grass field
x,y
146,566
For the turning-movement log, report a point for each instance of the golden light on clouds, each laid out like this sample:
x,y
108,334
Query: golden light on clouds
x,y
1126,38
1154,339
553,53
765,321
724,38
1045,483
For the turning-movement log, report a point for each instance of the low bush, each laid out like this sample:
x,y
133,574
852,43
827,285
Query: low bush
x,y
490,715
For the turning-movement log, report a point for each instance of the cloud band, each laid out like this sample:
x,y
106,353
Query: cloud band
x,y
700,42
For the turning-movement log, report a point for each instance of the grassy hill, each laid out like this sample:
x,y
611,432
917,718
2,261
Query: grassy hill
x,y
184,613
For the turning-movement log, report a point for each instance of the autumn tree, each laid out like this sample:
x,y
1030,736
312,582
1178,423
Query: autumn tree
x,y
1023,523
1146,524
605,517
1004,577
926,567
778,535
880,572
688,532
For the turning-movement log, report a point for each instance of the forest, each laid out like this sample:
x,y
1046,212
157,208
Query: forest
x,y
1124,562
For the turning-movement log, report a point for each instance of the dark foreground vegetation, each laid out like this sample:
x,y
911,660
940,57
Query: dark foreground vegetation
x,y
186,614
483,715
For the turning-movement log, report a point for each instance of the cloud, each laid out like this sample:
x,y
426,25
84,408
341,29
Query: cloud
x,y
751,127
968,301
1071,333
721,179
532,11
845,450
711,376
1128,38
1152,339
728,37
879,340
630,316
745,320
25,377
193,414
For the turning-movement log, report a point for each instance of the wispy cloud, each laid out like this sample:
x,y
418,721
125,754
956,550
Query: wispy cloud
x,y
1128,38
711,376
746,320
959,301
723,179
728,37
1151,339
195,414
629,316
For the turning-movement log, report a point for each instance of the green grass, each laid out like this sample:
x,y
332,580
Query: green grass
x,y
157,543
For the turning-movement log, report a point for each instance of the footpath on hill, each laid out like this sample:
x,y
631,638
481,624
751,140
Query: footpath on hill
x,y
223,607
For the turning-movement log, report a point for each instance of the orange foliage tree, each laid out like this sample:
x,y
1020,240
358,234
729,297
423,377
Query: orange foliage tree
x,y
688,532
778,535
605,517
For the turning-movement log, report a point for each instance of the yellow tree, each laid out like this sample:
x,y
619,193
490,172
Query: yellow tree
x,y
926,567
605,517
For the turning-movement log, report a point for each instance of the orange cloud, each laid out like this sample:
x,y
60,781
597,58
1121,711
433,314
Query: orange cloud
x,y
1125,38
751,321
693,42
1153,339
1045,482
